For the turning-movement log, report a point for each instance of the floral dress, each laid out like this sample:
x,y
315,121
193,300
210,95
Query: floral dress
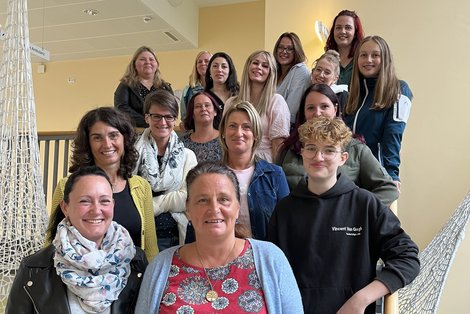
x,y
237,285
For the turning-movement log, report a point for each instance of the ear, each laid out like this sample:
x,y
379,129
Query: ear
x,y
344,156
335,79
147,118
64,207
187,212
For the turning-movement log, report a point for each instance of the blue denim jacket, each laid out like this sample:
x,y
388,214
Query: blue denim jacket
x,y
268,185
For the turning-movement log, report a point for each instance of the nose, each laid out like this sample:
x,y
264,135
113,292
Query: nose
x,y
107,141
318,155
317,112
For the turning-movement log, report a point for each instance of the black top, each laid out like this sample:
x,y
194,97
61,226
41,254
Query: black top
x,y
127,214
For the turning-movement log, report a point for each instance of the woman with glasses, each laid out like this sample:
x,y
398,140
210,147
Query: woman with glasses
x,y
345,36
361,166
293,76
164,162
202,123
142,76
221,78
258,88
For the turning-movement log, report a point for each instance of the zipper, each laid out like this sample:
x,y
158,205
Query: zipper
x,y
357,113
31,298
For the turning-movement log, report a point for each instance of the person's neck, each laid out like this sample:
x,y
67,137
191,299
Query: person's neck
x,y
162,143
221,91
146,81
344,56
113,174
284,70
203,81
217,253
204,132
320,186
256,89
240,162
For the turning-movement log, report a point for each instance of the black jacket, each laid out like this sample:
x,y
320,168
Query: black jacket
x,y
128,100
38,289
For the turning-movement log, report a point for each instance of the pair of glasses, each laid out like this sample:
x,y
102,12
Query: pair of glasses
x,y
202,106
285,49
327,153
158,117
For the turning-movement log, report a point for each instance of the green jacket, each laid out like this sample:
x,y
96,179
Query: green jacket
x,y
361,167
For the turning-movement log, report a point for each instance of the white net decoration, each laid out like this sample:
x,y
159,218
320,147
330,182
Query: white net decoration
x,y
23,216
423,294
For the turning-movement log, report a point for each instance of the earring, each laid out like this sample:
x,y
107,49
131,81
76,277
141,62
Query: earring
x,y
236,221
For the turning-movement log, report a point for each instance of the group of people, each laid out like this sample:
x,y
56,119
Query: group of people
x,y
274,197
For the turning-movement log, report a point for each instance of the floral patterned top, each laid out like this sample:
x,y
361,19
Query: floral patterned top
x,y
237,285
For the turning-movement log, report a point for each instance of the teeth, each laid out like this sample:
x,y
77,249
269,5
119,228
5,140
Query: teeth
x,y
214,221
94,221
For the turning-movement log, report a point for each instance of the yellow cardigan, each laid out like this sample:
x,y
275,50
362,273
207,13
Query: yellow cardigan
x,y
141,194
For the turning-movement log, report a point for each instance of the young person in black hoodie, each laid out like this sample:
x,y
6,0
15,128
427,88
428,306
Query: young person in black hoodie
x,y
333,232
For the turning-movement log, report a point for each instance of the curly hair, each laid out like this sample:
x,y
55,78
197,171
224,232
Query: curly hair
x,y
81,150
323,129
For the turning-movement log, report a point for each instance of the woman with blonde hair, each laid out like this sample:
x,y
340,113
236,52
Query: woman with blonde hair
x,y
258,87
197,81
142,76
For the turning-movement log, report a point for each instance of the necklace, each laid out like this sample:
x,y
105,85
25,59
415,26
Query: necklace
x,y
212,295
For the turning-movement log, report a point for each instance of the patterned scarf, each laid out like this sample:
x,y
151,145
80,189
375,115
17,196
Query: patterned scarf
x,y
95,275
169,175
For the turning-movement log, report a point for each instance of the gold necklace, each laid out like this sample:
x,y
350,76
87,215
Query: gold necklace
x,y
212,295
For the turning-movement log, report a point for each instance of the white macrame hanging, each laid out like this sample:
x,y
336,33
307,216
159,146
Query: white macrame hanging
x,y
423,294
23,216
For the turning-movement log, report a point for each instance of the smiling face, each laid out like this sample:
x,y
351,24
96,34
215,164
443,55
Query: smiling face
x,y
238,133
318,166
212,206
344,31
204,111
90,208
106,143
370,59
201,63
324,73
160,130
219,71
146,65
285,52
258,69
317,104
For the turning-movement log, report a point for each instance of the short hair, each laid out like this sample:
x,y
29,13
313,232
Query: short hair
x,y
358,34
194,77
131,78
323,129
209,167
189,120
332,56
58,215
269,88
299,54
161,98
81,149
232,82
256,129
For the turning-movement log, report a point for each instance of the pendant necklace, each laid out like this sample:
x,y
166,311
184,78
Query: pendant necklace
x,y
212,295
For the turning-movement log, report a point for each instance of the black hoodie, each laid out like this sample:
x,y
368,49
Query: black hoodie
x,y
334,240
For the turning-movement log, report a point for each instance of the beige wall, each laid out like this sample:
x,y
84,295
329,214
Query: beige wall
x,y
429,42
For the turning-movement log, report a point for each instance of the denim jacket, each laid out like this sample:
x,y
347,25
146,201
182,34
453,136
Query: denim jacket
x,y
268,185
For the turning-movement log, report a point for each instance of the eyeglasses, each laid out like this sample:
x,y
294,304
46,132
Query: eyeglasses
x,y
327,153
287,49
158,117
202,106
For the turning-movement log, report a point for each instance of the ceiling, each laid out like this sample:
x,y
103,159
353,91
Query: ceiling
x,y
62,28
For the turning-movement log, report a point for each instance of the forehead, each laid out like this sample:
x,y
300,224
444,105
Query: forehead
x,y
91,183
314,98
260,57
344,20
320,143
100,126
286,41
159,109
370,45
204,56
202,99
238,117
220,60
209,183
146,54
324,64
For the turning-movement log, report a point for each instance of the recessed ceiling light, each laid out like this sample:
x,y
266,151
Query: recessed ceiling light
x,y
147,19
91,12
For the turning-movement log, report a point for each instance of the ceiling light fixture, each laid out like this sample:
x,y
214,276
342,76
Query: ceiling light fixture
x,y
91,12
147,19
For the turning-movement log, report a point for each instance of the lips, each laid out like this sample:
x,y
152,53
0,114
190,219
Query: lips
x,y
94,221
109,152
214,221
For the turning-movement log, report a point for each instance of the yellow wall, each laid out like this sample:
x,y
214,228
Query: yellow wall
x,y
429,42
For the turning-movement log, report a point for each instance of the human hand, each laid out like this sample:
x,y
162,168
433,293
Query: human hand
x,y
353,306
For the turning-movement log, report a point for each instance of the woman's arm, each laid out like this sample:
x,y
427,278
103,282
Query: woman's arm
x,y
18,301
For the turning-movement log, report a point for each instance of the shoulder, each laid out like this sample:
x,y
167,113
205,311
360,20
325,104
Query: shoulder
x,y
301,68
190,155
405,89
267,166
40,259
278,101
138,182
266,250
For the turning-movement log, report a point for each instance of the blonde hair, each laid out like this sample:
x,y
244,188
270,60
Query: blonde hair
x,y
332,57
194,77
387,89
131,77
269,86
256,129
323,129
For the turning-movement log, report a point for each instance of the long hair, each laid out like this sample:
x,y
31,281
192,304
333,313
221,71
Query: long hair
x,y
256,129
299,54
58,215
131,78
232,82
189,120
81,149
387,89
195,78
358,34
293,141
217,168
269,86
